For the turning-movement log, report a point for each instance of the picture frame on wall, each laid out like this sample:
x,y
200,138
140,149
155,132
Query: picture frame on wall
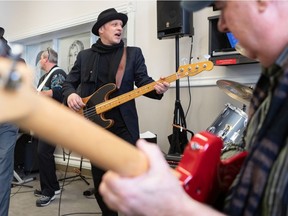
x,y
69,47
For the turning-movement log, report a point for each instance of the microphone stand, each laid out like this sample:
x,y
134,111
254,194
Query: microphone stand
x,y
178,139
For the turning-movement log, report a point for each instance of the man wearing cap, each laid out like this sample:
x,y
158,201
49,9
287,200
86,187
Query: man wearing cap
x,y
261,186
99,65
8,138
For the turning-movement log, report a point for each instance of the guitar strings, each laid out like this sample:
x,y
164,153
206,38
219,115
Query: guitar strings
x,y
91,111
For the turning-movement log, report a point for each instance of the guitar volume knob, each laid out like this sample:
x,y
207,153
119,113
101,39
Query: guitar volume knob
x,y
195,146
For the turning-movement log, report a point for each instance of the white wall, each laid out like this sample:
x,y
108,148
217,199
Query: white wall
x,y
22,18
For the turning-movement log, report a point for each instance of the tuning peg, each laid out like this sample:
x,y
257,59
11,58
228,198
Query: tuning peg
x,y
191,60
184,61
207,57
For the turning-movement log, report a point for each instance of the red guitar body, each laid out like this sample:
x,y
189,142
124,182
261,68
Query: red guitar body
x,y
202,173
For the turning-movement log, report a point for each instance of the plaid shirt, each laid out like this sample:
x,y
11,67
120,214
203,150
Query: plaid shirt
x,y
261,188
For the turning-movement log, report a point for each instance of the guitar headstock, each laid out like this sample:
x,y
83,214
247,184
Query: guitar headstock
x,y
15,84
194,69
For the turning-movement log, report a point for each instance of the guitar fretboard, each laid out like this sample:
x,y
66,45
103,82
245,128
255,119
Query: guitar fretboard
x,y
183,71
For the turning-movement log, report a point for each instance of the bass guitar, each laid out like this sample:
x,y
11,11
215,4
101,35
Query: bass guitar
x,y
98,103
20,104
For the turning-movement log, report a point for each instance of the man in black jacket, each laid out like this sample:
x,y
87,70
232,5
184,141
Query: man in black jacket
x,y
100,65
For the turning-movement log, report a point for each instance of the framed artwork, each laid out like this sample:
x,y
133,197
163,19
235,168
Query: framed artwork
x,y
69,47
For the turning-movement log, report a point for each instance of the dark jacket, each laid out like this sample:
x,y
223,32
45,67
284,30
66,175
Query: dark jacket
x,y
79,81
54,82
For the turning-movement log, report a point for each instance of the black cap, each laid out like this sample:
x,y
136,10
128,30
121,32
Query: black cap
x,y
107,16
194,6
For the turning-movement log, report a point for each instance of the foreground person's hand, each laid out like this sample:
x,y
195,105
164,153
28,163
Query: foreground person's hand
x,y
157,192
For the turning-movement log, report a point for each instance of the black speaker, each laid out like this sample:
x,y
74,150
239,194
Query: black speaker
x,y
25,154
173,20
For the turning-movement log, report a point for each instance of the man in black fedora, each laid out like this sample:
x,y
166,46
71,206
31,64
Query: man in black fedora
x,y
107,61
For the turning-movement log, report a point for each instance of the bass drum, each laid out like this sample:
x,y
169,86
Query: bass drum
x,y
230,124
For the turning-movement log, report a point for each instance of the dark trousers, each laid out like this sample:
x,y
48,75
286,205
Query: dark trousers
x,y
47,168
98,173
8,137
97,177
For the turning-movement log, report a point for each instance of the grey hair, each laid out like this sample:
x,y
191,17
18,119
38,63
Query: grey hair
x,y
51,54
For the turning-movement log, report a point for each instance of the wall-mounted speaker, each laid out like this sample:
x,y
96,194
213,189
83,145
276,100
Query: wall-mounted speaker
x,y
173,20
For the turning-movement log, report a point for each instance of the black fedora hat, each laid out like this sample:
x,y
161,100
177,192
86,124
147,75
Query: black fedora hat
x,y
106,16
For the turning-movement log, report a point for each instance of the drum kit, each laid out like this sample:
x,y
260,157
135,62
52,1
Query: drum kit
x,y
232,121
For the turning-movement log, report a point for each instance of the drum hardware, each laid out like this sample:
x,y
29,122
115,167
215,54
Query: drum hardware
x,y
230,124
236,90
226,129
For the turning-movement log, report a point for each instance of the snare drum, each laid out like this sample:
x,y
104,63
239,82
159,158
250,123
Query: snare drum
x,y
230,124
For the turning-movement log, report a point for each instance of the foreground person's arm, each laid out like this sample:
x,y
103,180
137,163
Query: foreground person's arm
x,y
156,192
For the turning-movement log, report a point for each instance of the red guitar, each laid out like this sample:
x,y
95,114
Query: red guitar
x,y
203,174
19,103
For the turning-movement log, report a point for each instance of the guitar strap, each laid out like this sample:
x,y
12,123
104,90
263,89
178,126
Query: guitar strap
x,y
121,68
40,87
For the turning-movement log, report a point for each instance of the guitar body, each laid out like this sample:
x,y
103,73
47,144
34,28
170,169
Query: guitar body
x,y
203,175
99,96
198,166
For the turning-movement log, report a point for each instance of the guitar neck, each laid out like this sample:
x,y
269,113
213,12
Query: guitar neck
x,y
104,149
114,102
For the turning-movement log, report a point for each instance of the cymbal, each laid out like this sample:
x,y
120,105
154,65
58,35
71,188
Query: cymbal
x,y
236,90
